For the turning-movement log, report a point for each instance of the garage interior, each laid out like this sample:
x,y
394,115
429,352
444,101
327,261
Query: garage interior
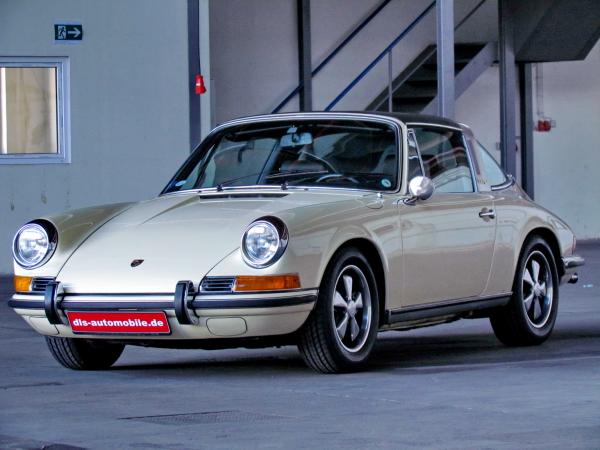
x,y
519,73
110,117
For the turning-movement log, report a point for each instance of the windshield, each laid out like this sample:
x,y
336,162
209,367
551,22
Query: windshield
x,y
338,153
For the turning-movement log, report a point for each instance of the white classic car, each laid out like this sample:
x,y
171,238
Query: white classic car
x,y
315,229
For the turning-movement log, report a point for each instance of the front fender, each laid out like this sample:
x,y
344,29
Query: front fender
x,y
314,239
73,227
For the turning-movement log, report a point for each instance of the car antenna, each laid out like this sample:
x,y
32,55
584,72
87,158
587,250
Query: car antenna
x,y
220,187
284,185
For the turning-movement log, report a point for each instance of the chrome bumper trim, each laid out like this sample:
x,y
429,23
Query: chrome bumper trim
x,y
571,262
152,302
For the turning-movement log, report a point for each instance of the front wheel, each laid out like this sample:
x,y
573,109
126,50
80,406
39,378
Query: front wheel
x,y
341,331
529,317
82,354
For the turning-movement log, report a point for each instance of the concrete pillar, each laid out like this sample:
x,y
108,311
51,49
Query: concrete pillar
x,y
508,85
445,57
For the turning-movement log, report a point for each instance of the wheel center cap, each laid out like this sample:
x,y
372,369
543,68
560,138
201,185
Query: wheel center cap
x,y
537,290
352,308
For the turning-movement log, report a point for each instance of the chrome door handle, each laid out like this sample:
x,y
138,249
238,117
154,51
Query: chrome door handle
x,y
487,214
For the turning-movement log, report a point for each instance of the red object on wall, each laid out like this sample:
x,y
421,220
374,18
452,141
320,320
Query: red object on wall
x,y
543,125
200,88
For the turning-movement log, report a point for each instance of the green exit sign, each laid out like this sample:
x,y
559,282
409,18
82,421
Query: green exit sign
x,y
64,32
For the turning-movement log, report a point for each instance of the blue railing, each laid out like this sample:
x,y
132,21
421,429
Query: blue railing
x,y
334,52
382,55
389,49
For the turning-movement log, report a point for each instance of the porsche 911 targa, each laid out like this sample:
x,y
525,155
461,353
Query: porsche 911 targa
x,y
314,229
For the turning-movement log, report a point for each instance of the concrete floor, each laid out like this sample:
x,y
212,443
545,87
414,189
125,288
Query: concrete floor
x,y
452,387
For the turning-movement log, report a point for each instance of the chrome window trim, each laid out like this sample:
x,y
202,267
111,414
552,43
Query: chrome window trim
x,y
411,132
467,151
396,124
471,165
63,110
510,181
275,188
429,124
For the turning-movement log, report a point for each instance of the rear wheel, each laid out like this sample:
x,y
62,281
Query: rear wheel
x,y
529,317
340,332
82,354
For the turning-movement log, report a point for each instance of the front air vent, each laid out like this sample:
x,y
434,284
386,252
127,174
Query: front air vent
x,y
217,285
250,195
38,284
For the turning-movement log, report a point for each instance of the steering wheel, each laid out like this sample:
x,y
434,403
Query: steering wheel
x,y
327,164
330,176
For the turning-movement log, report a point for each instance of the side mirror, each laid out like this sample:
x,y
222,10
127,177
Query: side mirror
x,y
420,188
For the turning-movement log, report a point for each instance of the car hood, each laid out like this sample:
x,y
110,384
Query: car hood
x,y
178,237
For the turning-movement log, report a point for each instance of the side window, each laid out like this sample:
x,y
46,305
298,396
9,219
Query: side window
x,y
414,161
445,159
490,169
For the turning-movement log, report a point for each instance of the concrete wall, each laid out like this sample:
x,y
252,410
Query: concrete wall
x,y
254,53
567,159
129,104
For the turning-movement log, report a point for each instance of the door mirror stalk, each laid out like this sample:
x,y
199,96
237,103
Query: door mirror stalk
x,y
420,188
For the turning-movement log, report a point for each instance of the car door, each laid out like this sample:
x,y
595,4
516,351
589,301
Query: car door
x,y
448,240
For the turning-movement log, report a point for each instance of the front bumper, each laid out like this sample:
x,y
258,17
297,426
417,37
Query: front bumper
x,y
190,316
570,265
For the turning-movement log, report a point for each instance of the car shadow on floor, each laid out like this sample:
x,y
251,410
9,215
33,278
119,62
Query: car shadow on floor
x,y
393,351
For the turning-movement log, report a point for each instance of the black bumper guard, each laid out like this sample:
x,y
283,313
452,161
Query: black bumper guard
x,y
182,303
51,303
185,315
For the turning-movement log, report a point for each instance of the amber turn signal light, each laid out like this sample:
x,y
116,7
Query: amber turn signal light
x,y
22,284
267,283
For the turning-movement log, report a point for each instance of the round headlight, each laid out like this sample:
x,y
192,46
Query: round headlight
x,y
33,246
263,243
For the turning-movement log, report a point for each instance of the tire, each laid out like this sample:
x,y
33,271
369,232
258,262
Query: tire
x,y
326,344
529,317
82,354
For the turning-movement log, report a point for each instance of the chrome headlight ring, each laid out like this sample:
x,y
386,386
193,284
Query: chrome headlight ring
x,y
264,241
34,244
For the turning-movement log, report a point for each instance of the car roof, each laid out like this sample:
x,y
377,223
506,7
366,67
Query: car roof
x,y
407,118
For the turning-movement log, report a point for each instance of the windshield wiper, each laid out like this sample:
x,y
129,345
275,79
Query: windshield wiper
x,y
282,174
285,173
233,180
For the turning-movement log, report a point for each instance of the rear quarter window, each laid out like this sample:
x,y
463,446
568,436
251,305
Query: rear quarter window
x,y
490,170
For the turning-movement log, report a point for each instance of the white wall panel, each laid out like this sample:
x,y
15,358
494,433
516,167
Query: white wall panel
x,y
129,105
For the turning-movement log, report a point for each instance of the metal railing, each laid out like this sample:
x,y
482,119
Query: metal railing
x,y
388,51
334,52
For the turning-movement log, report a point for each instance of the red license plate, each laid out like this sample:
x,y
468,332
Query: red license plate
x,y
122,322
